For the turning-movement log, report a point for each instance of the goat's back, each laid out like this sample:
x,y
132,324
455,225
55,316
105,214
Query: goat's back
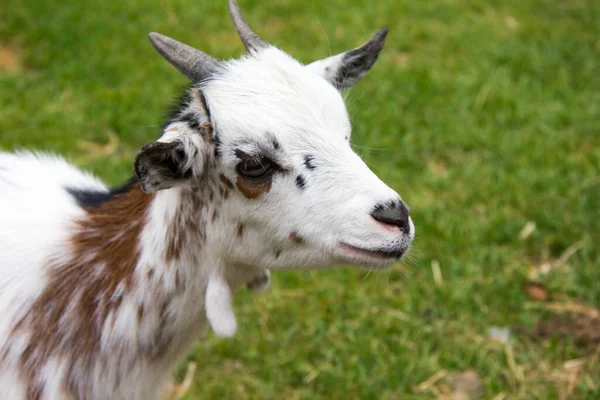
x,y
36,217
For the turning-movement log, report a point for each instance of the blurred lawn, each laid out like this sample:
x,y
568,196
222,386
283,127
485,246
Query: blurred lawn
x,y
484,115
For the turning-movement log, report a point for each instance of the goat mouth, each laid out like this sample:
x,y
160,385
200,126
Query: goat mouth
x,y
378,256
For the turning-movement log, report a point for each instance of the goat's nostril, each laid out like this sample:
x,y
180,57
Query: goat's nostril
x,y
397,215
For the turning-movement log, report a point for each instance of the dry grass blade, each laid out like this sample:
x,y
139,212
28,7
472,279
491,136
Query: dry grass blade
x,y
177,391
569,252
548,265
568,307
527,230
97,149
437,273
431,381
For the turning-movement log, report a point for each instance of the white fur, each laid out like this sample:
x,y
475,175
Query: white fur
x,y
267,93
219,310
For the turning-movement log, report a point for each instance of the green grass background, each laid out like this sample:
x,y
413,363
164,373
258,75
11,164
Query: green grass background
x,y
483,115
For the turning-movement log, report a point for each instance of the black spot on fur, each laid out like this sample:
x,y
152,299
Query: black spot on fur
x,y
204,104
212,132
192,121
300,182
177,111
308,162
89,198
277,253
241,154
217,146
274,141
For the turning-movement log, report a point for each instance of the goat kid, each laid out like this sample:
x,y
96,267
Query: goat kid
x,y
102,292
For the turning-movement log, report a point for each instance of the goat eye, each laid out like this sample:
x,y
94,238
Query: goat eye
x,y
255,168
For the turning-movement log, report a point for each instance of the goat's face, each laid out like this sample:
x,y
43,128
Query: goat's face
x,y
305,198
277,134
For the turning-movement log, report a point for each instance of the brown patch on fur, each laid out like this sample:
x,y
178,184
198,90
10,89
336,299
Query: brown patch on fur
x,y
192,198
176,238
150,273
76,290
140,313
295,238
184,227
177,281
200,97
222,192
207,131
226,181
240,230
162,340
214,216
206,127
253,189
34,392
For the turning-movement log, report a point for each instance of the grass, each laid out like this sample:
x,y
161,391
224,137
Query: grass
x,y
484,115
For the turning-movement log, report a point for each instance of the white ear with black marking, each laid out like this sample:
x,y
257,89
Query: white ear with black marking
x,y
344,70
165,164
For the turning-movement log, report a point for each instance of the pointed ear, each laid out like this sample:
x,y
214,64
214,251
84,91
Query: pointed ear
x,y
346,69
161,165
